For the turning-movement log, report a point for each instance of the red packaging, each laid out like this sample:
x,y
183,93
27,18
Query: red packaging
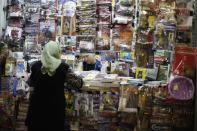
x,y
185,61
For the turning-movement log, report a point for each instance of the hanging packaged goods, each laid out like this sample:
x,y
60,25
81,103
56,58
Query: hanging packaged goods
x,y
135,57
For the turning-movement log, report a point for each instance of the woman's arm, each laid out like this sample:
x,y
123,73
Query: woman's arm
x,y
73,82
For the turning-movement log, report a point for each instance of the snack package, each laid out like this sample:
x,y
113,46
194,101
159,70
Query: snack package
x,y
184,63
45,26
122,37
124,10
128,99
68,25
86,46
103,38
13,33
104,14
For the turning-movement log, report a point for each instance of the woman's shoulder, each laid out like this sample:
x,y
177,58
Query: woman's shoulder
x,y
63,66
36,64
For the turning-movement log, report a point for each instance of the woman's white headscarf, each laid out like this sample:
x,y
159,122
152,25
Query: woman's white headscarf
x,y
50,58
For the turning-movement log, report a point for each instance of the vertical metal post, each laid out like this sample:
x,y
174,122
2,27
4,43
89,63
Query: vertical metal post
x,y
194,42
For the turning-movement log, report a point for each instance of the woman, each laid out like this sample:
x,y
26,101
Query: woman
x,y
47,103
